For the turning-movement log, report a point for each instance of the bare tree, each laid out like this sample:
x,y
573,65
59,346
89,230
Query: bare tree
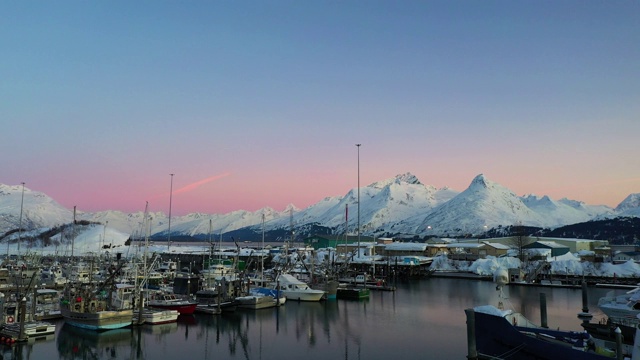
x,y
519,239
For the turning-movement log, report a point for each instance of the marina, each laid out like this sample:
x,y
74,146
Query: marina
x,y
422,319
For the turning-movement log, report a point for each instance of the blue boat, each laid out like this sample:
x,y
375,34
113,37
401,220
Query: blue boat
x,y
508,334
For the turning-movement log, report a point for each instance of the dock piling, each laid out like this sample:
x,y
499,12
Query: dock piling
x,y
472,353
543,310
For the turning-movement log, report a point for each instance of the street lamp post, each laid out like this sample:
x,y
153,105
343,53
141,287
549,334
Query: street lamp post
x,y
170,198
358,146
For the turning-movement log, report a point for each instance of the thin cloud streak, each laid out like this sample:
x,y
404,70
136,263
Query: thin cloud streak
x,y
197,184
192,186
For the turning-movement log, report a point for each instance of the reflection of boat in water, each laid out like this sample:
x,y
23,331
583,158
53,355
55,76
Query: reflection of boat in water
x,y
161,329
187,319
78,343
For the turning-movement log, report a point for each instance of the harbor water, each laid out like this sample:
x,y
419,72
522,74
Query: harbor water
x,y
423,319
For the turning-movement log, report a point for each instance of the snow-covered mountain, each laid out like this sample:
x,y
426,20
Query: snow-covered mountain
x,y
630,206
38,210
399,205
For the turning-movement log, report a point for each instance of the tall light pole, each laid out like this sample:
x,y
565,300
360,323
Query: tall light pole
x,y
170,198
20,223
358,146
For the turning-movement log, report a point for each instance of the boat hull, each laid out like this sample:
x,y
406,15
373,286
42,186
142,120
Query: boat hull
x,y
183,309
496,336
352,293
255,302
310,295
101,320
156,317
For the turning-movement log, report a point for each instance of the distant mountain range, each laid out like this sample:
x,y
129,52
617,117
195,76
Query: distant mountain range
x,y
400,206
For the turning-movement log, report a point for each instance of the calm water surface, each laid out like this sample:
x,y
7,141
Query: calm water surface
x,y
424,319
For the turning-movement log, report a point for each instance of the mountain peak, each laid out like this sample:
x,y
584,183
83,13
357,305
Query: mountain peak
x,y
291,208
479,181
630,202
408,178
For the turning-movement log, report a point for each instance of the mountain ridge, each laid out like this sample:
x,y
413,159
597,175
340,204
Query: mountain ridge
x,y
399,205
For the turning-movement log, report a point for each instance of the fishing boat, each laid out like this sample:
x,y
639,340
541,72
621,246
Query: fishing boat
x,y
214,301
87,308
167,301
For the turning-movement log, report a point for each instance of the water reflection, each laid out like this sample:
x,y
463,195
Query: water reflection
x,y
26,350
77,343
422,320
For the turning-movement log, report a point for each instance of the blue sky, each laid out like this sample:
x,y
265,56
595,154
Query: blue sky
x,y
102,100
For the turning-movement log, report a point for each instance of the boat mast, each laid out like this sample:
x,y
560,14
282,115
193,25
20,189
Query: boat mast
x,y
170,198
210,241
262,255
346,233
147,220
20,223
73,230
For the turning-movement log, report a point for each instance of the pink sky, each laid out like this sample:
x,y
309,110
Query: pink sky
x,y
254,105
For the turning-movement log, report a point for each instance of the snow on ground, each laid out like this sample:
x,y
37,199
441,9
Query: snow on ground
x,y
562,265
92,238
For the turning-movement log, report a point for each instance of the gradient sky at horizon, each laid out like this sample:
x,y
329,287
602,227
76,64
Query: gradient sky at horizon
x,y
260,103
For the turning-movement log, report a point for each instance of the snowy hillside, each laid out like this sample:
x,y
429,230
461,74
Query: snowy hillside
x,y
38,210
83,239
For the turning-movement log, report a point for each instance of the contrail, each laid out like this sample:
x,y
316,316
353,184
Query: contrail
x,y
193,186
197,184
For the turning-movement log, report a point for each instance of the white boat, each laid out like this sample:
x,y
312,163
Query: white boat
x,y
294,289
622,309
156,316
31,329
257,301
47,304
